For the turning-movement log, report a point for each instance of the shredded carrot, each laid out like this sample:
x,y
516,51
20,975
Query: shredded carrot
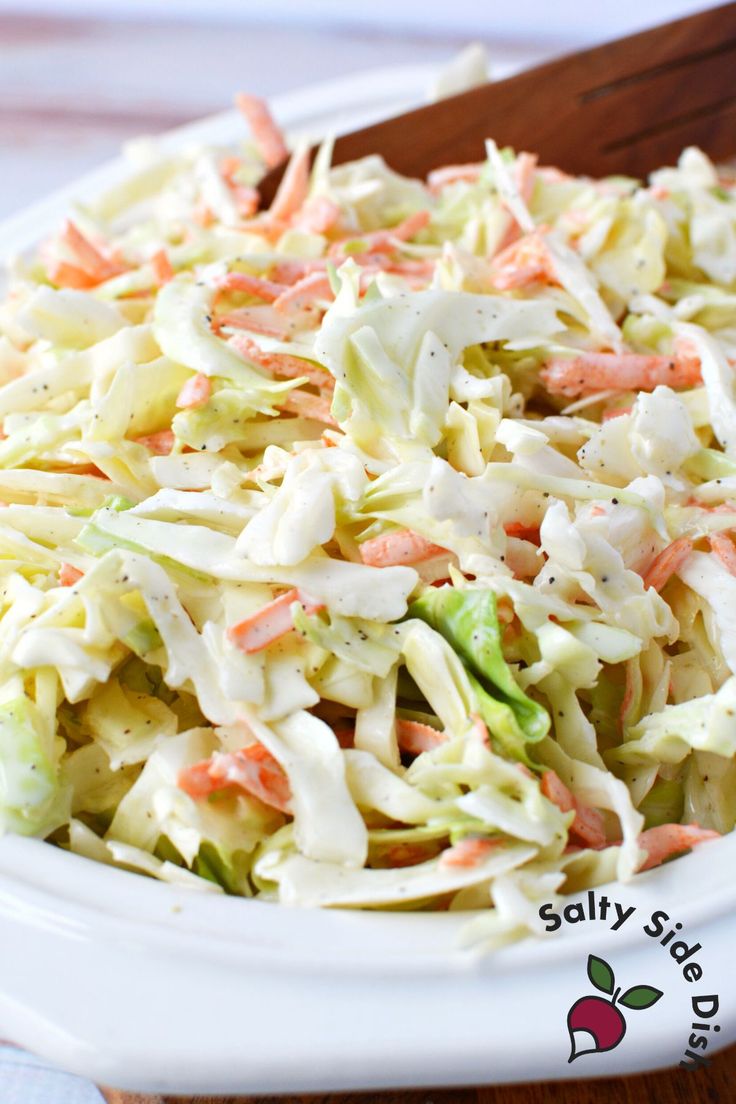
x,y
453,174
203,215
195,392
381,241
69,575
667,563
523,532
267,135
317,216
261,320
525,171
479,728
422,270
616,412
197,781
268,290
66,275
292,191
525,261
304,292
724,549
469,852
289,271
282,365
89,258
246,198
415,737
81,469
269,623
252,769
160,443
407,229
229,166
162,269
590,372
266,225
588,827
658,192
666,840
307,405
399,546
721,508
524,174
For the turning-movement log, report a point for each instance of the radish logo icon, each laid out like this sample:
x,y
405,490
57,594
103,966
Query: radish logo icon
x,y
597,1024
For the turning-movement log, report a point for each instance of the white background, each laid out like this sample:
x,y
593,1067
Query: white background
x,y
566,19
79,77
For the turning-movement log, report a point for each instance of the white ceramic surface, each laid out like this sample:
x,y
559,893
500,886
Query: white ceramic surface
x,y
144,986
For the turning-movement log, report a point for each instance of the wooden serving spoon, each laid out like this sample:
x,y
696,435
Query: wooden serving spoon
x,y
626,107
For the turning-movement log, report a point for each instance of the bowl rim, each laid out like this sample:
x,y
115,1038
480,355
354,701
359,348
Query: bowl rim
x,y
56,888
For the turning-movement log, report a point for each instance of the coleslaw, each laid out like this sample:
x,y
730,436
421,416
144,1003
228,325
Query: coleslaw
x,y
373,550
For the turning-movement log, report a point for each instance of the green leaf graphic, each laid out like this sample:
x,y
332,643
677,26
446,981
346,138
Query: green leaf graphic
x,y
641,996
601,974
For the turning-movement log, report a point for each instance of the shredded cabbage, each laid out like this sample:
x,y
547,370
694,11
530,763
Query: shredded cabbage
x,y
375,550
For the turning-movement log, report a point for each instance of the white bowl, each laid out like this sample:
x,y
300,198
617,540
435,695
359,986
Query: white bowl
x,y
137,984
147,987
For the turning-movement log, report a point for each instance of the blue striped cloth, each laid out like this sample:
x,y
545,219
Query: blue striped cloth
x,y
25,1079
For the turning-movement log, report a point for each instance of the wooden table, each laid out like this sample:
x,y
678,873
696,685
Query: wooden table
x,y
712,1086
